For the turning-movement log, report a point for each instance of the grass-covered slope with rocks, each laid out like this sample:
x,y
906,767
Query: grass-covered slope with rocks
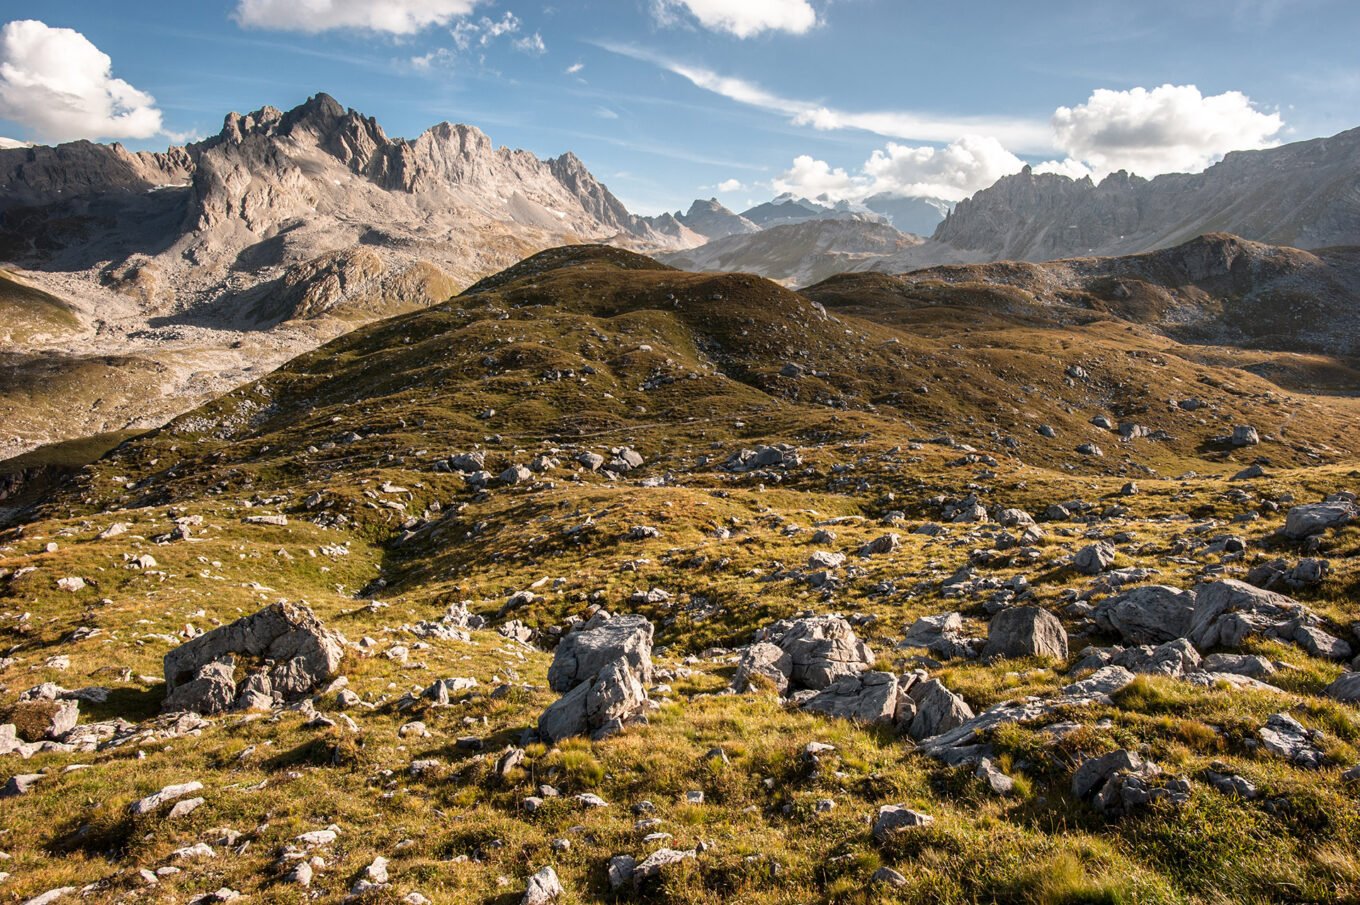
x,y
1119,674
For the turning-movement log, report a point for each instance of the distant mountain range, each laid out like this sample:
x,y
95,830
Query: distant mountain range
x,y
136,284
1304,195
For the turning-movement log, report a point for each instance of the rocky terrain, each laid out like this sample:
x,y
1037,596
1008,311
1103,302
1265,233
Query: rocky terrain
x,y
1303,195
606,581
152,282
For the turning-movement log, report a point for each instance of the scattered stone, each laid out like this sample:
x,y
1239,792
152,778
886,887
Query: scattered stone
x,y
895,818
1094,559
1026,631
1287,737
170,793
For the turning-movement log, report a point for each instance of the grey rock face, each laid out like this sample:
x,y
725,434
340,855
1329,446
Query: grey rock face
x,y
1174,658
778,456
657,863
1094,559
1314,518
1346,688
1250,665
41,718
938,710
582,654
1228,611
599,706
869,697
1245,435
766,660
821,649
544,888
1026,631
1278,573
296,651
1121,782
880,545
1285,736
1147,615
943,635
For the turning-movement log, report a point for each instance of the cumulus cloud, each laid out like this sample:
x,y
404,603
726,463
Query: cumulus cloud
x,y
951,173
1173,128
743,18
812,178
575,68
397,17
58,84
730,185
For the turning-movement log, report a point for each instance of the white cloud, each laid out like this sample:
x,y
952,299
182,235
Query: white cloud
x,y
1017,133
951,173
441,56
744,18
1073,169
730,185
605,113
812,178
56,83
1170,129
575,68
531,44
466,32
398,17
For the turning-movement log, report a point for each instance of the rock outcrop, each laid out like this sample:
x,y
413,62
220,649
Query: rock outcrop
x,y
268,658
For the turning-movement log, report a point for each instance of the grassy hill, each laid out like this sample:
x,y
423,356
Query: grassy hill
x,y
895,411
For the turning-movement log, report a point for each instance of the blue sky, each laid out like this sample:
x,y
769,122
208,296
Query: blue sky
x,y
668,100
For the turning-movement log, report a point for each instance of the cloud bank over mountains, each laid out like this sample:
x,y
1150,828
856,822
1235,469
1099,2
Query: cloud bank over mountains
x,y
1168,129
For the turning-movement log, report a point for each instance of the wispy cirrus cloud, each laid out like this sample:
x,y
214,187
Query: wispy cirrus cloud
x,y
1024,135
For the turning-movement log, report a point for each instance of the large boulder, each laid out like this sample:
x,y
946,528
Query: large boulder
x,y
938,710
821,649
599,706
583,653
765,662
1228,611
869,697
289,652
1094,559
1147,615
1314,518
1026,631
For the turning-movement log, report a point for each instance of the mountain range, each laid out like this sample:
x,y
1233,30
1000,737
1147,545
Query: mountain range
x,y
139,284
1304,195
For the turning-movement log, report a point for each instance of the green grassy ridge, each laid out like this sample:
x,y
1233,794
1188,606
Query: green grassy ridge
x,y
414,387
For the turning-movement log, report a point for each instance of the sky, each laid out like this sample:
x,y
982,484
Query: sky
x,y
671,100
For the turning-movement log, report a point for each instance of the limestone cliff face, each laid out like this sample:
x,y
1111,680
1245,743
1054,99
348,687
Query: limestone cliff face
x,y
1305,195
